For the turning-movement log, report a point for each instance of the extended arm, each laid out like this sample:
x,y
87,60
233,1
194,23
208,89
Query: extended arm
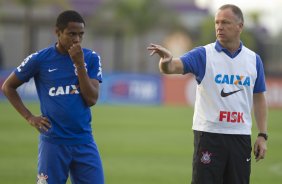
x,y
260,112
167,64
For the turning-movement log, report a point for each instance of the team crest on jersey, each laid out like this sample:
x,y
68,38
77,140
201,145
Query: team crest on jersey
x,y
206,157
42,179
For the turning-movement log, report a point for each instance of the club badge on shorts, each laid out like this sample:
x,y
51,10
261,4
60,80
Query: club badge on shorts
x,y
206,157
42,179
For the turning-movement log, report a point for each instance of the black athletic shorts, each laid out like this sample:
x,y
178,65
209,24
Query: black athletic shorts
x,y
221,158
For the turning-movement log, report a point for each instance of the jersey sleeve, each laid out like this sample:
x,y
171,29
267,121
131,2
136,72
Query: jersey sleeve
x,y
260,81
95,67
28,68
194,62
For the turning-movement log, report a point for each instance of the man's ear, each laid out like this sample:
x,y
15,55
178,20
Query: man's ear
x,y
57,31
241,26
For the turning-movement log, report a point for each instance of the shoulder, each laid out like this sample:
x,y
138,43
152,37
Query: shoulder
x,y
248,52
251,56
91,55
44,53
210,46
196,52
199,50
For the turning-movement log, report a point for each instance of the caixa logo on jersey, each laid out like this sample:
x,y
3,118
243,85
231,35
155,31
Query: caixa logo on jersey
x,y
64,90
233,79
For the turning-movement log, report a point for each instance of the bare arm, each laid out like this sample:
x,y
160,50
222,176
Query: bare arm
x,y
260,113
9,89
89,88
167,64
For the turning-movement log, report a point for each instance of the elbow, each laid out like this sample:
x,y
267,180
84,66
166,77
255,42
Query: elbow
x,y
4,89
166,72
90,99
91,102
163,71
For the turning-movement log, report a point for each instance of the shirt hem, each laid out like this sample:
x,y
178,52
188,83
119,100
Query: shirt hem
x,y
220,131
63,141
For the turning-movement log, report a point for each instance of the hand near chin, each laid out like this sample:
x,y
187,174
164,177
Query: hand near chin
x,y
76,54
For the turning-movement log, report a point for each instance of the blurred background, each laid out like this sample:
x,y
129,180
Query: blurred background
x,y
120,31
143,119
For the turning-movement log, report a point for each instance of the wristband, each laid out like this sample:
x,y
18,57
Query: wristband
x,y
264,135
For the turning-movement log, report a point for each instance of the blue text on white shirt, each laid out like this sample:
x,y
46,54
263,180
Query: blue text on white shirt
x,y
233,79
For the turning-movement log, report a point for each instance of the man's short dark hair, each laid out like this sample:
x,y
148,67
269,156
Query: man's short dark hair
x,y
235,9
68,16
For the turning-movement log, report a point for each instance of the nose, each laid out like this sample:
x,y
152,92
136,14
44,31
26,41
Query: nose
x,y
76,39
219,26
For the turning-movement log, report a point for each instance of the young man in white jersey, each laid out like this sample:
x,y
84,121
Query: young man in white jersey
x,y
231,83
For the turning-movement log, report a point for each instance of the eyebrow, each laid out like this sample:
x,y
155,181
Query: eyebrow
x,y
76,32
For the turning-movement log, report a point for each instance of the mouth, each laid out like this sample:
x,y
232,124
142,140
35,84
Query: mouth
x,y
220,35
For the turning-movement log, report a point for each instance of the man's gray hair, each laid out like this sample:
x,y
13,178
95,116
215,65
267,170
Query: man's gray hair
x,y
235,9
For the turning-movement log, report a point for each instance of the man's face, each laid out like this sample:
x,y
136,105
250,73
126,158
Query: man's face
x,y
72,34
228,26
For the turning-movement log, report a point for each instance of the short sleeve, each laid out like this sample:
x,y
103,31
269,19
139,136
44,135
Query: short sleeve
x,y
260,81
194,62
95,66
28,68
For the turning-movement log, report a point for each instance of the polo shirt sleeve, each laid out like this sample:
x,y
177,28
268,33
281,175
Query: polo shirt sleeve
x,y
95,67
260,81
28,68
194,62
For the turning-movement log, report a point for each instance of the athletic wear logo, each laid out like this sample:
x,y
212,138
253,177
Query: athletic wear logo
x,y
42,179
248,159
233,79
231,117
52,70
206,157
223,94
63,90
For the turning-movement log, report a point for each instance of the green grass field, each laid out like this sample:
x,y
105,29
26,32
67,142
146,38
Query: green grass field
x,y
138,145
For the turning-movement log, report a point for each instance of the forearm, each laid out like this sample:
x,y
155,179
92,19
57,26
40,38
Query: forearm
x,y
88,91
173,66
164,66
260,112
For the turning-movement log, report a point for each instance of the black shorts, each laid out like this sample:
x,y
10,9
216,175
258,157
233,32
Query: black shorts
x,y
221,158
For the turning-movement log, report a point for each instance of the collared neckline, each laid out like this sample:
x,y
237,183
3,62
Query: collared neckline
x,y
57,50
219,48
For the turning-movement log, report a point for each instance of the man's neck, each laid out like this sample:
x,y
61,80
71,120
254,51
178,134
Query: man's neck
x,y
61,49
231,46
